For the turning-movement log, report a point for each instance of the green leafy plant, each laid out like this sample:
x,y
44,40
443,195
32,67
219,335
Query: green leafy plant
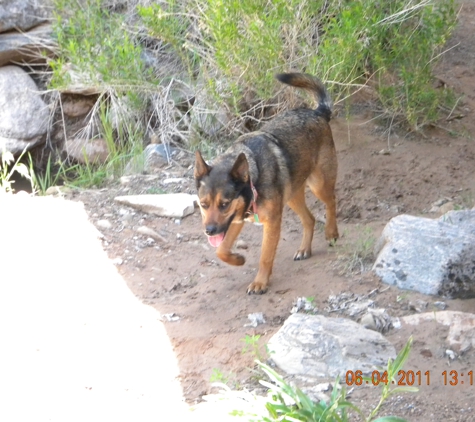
x,y
95,47
228,379
251,346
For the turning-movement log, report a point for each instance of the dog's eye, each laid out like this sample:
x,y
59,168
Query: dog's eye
x,y
204,206
224,205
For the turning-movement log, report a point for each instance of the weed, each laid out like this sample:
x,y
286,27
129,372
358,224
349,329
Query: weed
x,y
155,191
251,346
218,376
359,253
51,175
9,166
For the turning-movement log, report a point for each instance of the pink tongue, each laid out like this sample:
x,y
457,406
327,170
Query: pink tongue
x,y
215,241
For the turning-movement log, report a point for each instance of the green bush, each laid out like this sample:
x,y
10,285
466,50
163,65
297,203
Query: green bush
x,y
239,45
94,43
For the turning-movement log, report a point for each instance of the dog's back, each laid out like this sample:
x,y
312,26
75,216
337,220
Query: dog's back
x,y
295,140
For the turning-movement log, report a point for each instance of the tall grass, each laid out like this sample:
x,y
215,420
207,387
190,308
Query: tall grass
x,y
238,46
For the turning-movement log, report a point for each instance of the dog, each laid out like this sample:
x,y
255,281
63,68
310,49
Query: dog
x,y
266,169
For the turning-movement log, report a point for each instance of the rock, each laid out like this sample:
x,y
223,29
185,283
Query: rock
x,y
315,346
204,116
176,205
255,319
23,114
302,304
140,178
434,257
377,320
32,46
58,190
22,14
104,224
147,231
76,106
87,150
442,206
173,180
461,337
241,244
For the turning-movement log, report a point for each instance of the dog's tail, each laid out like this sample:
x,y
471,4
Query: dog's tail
x,y
310,83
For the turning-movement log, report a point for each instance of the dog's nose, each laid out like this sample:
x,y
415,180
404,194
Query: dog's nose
x,y
211,230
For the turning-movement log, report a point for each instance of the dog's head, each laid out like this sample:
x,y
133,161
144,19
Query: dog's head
x,y
224,194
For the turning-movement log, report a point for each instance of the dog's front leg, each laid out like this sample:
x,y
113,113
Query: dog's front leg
x,y
224,249
270,241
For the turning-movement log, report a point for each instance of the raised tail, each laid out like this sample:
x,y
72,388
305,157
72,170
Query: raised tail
x,y
310,83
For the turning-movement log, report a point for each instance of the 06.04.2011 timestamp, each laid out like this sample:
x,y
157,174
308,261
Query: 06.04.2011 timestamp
x,y
408,378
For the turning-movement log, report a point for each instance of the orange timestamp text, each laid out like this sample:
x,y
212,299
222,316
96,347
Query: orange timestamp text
x,y
408,378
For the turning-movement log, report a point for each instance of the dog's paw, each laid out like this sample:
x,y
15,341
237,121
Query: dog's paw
x,y
231,258
302,254
256,288
332,236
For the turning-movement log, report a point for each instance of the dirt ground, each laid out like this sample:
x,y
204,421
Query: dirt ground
x,y
205,299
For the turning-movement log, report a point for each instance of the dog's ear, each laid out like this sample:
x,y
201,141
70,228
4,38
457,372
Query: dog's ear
x,y
240,171
201,168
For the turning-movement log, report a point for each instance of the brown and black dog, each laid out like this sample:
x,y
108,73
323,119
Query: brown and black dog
x,y
264,170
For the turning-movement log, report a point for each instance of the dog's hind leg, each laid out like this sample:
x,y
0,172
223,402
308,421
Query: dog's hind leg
x,y
297,204
224,249
322,184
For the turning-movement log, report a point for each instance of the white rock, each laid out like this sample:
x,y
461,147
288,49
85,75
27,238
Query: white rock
x,y
176,205
104,224
315,346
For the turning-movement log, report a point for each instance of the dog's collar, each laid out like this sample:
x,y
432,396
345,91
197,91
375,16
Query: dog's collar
x,y
253,204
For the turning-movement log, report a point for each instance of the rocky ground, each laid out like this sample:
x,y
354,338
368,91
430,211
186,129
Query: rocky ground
x,y
381,174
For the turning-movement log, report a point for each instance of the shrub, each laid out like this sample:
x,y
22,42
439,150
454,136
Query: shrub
x,y
239,45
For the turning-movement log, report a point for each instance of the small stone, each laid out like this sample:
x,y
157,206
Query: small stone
x,y
450,354
241,244
104,224
256,319
147,231
173,180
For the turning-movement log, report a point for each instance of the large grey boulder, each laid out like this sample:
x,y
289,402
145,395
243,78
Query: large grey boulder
x,y
23,14
315,346
434,257
26,47
23,114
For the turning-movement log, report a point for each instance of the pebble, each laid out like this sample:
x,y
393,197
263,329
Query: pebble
x,y
104,224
